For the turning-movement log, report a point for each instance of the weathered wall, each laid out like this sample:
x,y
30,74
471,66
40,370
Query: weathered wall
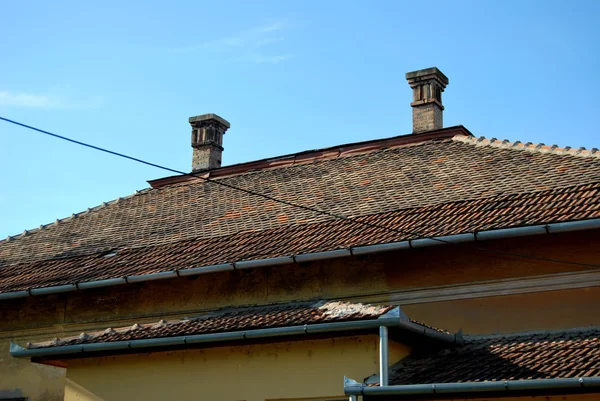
x,y
21,378
37,319
299,369
375,278
513,313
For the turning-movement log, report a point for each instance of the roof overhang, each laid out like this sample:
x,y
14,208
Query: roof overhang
x,y
394,319
541,229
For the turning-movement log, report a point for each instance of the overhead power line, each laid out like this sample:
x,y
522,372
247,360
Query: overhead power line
x,y
296,205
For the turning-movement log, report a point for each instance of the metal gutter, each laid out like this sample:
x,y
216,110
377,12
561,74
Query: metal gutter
x,y
407,325
553,228
391,318
352,387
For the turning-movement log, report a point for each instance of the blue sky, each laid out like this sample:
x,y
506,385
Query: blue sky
x,y
289,76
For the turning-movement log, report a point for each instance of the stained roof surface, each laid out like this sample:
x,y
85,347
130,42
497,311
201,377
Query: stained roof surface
x,y
548,355
232,319
442,186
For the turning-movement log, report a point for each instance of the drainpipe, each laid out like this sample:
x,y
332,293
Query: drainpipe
x,y
383,356
353,398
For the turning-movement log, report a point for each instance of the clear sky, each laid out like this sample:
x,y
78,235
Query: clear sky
x,y
288,75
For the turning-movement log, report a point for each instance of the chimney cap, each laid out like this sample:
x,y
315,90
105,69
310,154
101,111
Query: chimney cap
x,y
209,117
427,73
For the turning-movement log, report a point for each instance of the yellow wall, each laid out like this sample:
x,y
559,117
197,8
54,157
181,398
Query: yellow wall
x,y
298,369
46,317
21,378
42,318
513,313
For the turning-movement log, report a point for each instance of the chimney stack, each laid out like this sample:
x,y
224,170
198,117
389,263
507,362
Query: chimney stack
x,y
207,141
427,86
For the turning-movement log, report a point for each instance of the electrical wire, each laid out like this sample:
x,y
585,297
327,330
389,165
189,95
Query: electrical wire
x,y
292,204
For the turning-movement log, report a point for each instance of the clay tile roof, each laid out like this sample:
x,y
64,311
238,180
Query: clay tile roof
x,y
232,319
420,186
547,355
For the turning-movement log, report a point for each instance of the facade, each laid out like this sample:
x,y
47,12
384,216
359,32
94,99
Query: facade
x,y
428,265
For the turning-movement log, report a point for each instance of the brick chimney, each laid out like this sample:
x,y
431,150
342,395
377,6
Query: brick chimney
x,y
207,141
427,86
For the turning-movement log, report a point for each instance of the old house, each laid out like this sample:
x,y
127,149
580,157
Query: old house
x,y
431,265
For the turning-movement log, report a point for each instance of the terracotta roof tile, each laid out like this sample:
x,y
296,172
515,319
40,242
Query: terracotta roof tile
x,y
549,355
431,188
232,319
574,203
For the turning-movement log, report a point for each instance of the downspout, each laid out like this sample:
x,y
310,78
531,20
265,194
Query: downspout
x,y
383,356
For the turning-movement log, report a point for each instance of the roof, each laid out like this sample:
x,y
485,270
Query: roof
x,y
290,320
438,183
231,319
527,356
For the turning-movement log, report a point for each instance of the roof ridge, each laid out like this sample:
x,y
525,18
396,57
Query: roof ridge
x,y
304,157
528,146
204,177
89,210
480,337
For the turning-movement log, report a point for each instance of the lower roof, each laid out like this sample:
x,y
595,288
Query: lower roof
x,y
243,323
231,319
526,356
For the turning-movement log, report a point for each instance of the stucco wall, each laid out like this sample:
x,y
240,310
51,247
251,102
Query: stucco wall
x,y
299,369
513,313
42,318
20,378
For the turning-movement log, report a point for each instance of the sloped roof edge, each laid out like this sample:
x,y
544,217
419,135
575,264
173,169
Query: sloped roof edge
x,y
516,360
337,316
552,228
